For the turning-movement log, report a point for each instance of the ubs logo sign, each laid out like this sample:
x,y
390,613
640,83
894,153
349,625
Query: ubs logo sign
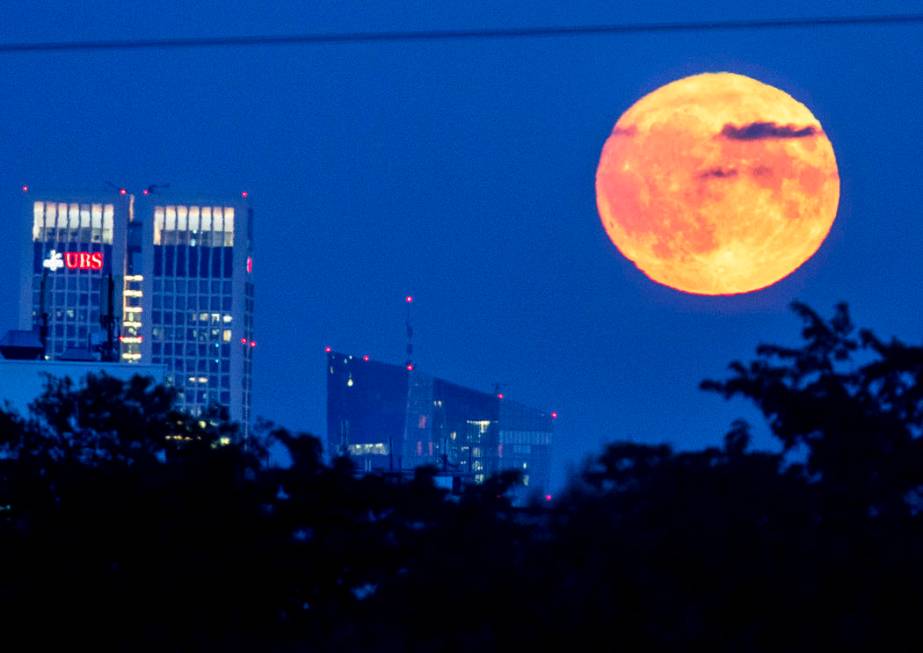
x,y
73,261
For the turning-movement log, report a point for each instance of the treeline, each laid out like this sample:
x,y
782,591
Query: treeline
x,y
127,525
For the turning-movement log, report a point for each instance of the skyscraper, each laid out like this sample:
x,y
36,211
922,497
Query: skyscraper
x,y
181,273
75,242
395,417
197,254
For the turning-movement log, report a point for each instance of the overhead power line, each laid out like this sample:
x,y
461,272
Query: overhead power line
x,y
457,34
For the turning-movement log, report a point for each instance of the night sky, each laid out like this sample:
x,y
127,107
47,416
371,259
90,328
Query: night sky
x,y
462,172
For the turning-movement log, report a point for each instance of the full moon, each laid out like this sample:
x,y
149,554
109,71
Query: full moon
x,y
717,184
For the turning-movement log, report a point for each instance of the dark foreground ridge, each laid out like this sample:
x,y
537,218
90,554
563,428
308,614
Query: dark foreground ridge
x,y
127,525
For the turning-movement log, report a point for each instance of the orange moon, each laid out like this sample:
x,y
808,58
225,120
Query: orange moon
x,y
717,184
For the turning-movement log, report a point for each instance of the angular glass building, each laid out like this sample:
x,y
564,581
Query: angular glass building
x,y
173,272
392,418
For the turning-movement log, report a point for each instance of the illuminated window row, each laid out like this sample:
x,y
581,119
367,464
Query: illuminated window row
x,y
71,217
214,318
369,449
195,219
196,335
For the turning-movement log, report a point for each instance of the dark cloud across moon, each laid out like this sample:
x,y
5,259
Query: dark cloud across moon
x,y
759,130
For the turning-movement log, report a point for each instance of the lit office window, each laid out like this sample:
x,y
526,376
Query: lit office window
x,y
108,213
73,221
158,224
38,220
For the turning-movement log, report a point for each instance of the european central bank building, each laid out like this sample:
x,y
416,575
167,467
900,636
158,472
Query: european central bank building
x,y
146,278
395,417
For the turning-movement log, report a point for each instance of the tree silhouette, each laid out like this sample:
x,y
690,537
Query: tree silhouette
x,y
126,524
860,420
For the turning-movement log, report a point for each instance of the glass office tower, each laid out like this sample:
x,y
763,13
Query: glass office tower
x,y
182,295
76,242
200,300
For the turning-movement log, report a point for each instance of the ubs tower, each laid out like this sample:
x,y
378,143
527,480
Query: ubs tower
x,y
392,417
74,243
153,278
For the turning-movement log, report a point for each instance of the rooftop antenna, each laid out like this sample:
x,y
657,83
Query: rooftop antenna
x,y
121,190
153,188
408,300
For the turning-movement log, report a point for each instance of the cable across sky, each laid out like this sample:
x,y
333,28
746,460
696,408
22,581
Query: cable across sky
x,y
458,34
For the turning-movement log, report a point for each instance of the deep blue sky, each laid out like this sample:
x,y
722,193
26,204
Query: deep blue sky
x,y
462,172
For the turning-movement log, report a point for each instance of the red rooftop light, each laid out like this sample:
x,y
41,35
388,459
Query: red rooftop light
x,y
146,191
122,191
499,395
328,349
547,497
243,341
554,414
245,194
410,367
365,357
25,188
409,299
253,343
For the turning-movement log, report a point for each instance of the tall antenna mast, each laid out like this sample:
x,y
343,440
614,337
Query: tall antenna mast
x,y
408,300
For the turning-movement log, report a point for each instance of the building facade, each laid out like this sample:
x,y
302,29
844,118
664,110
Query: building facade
x,y
75,243
170,276
393,417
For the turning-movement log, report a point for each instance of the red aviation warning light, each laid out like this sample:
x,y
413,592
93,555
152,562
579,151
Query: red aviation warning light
x,y
244,194
25,188
554,414
365,357
123,191
410,367
499,395
328,349
243,341
409,299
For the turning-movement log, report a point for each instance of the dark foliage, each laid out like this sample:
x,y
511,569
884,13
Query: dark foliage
x,y
127,525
